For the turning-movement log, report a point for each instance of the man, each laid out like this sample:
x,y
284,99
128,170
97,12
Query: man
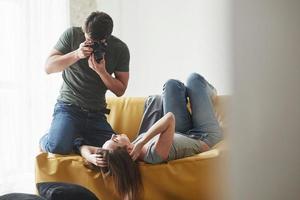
x,y
79,114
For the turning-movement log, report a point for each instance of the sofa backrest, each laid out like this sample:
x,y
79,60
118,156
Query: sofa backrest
x,y
126,113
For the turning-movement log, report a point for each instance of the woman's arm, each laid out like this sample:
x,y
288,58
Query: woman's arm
x,y
166,128
90,154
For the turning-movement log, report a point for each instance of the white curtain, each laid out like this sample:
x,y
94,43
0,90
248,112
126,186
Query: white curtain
x,y
29,29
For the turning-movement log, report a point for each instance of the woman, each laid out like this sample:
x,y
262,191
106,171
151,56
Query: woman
x,y
179,133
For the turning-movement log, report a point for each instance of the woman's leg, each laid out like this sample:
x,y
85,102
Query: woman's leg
x,y
205,124
175,100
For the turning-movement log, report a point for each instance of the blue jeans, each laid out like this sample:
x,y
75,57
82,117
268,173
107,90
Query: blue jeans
x,y
72,126
201,123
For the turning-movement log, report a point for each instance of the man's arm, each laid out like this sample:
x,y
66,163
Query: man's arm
x,y
57,61
117,84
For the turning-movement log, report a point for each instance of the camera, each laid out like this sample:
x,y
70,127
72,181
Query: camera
x,y
99,49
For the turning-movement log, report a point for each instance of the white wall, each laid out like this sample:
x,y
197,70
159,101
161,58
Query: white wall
x,y
265,151
172,38
79,10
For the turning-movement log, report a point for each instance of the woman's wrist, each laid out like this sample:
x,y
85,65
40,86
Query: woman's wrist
x,y
142,141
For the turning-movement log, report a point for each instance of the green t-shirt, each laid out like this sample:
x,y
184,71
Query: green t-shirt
x,y
82,86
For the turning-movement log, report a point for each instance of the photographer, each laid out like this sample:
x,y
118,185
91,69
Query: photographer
x,y
87,58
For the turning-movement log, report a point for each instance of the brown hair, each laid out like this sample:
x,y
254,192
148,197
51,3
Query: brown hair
x,y
98,25
124,171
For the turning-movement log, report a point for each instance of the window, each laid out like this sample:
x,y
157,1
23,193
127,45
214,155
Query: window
x,y
29,29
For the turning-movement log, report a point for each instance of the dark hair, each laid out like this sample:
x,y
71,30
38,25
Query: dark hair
x,y
98,25
124,171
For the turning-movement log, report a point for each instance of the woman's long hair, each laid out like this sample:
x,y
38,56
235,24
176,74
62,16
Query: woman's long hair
x,y
125,173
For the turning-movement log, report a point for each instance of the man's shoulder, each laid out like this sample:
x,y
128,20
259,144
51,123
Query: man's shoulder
x,y
116,42
76,29
77,32
76,35
74,32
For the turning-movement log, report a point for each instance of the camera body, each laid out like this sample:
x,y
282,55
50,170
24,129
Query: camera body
x,y
99,50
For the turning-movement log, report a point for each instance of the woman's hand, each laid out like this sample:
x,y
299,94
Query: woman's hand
x,y
97,159
136,151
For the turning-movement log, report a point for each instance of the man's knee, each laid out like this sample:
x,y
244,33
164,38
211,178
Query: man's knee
x,y
58,148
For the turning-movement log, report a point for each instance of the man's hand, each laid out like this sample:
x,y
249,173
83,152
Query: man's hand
x,y
84,50
136,151
99,68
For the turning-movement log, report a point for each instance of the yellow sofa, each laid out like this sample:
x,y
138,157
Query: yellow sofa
x,y
193,178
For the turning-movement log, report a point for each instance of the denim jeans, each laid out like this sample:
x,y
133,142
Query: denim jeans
x,y
72,125
201,123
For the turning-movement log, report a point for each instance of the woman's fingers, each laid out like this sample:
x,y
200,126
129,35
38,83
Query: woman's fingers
x,y
101,163
134,154
134,157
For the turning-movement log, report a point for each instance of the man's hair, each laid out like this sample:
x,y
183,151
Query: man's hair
x,y
98,25
124,171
